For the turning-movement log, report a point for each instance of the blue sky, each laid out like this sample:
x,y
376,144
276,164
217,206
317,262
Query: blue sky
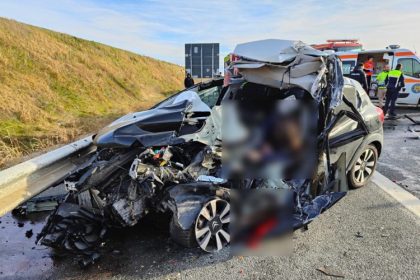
x,y
160,28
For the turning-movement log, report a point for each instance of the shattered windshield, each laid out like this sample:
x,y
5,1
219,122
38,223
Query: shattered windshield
x,y
209,96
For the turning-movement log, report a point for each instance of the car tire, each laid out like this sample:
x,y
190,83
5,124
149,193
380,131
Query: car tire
x,y
181,236
210,230
364,167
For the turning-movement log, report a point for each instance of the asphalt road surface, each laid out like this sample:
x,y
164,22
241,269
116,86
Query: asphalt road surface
x,y
400,158
367,235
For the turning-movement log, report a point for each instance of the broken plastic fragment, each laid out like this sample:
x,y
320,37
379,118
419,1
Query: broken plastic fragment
x,y
330,272
212,179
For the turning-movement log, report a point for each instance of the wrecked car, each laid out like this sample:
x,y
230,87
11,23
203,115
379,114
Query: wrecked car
x,y
289,121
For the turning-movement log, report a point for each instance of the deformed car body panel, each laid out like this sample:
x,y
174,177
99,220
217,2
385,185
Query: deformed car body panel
x,y
169,158
275,51
282,63
157,126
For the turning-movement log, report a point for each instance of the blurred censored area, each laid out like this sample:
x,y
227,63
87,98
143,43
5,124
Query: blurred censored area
x,y
269,134
277,114
261,222
269,141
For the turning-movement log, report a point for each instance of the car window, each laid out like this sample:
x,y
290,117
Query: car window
x,y
210,95
416,68
348,66
364,98
345,124
353,95
410,67
170,99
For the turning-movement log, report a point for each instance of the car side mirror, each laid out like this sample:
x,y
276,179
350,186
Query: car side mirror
x,y
403,89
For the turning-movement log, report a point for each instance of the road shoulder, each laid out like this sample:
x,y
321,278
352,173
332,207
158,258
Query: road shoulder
x,y
408,200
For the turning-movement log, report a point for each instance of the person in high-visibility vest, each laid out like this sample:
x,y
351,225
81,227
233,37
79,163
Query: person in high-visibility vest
x,y
380,80
368,68
394,83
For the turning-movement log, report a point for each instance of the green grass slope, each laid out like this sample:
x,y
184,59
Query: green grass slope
x,y
55,87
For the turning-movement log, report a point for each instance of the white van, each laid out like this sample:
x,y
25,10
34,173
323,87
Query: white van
x,y
390,56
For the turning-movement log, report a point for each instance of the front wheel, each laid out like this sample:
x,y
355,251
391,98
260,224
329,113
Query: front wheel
x,y
210,230
212,225
363,168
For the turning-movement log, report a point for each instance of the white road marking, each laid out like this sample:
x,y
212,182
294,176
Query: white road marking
x,y
408,200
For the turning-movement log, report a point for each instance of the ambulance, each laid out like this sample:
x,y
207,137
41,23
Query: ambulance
x,y
390,56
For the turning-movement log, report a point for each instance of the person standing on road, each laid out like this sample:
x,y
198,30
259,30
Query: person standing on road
x,y
380,79
368,68
226,77
360,76
189,81
394,83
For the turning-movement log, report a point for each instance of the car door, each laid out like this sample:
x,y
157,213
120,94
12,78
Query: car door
x,y
348,133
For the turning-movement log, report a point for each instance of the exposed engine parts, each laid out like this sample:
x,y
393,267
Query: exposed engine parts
x,y
263,167
80,223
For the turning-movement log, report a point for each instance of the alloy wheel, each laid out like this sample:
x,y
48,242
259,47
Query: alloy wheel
x,y
212,225
364,166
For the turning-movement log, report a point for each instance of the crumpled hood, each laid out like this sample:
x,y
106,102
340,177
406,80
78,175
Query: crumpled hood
x,y
157,126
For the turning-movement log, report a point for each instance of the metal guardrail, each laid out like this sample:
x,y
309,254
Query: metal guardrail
x,y
25,180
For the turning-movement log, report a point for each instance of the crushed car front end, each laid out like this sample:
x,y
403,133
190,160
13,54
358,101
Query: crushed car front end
x,y
265,139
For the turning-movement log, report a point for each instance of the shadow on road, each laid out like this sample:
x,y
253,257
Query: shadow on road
x,y
144,251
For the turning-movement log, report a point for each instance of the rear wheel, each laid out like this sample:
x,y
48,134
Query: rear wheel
x,y
363,168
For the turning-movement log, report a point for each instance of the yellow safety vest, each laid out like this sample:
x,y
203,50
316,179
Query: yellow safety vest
x,y
380,79
394,74
393,78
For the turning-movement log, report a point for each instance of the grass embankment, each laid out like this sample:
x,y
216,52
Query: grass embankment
x,y
55,87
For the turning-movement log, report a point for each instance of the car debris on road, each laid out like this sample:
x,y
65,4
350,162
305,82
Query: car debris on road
x,y
330,272
413,127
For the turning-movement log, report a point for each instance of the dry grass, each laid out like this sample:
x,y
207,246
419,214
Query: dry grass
x,y
55,87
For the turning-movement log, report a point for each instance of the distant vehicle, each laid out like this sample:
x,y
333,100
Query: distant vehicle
x,y
390,56
339,45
